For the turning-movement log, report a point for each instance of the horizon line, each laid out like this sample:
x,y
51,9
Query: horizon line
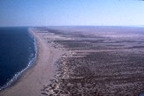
x,y
78,26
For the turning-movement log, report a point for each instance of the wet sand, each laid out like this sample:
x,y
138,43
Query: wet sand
x,y
34,79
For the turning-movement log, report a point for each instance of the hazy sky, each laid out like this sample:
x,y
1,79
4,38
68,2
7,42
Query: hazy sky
x,y
71,12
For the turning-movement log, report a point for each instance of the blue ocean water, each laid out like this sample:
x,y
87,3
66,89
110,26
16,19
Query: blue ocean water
x,y
17,53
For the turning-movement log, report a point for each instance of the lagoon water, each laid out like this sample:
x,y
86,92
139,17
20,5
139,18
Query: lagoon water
x,y
17,53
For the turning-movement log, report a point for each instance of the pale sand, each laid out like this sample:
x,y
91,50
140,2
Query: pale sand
x,y
34,79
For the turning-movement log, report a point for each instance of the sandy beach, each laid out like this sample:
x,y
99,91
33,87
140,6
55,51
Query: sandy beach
x,y
84,62
33,80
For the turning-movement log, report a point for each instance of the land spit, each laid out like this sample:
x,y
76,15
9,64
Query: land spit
x,y
84,61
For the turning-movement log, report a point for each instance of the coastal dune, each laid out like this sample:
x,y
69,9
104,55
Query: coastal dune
x,y
34,79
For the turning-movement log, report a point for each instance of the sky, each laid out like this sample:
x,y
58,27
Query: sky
x,y
71,12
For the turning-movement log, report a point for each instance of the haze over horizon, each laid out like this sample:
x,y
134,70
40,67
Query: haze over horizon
x,y
71,12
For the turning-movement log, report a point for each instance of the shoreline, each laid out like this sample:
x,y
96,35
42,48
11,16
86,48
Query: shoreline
x,y
87,64
19,74
39,74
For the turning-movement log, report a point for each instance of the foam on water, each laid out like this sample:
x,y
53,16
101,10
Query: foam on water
x,y
31,62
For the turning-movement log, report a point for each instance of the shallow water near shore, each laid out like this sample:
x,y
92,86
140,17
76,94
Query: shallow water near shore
x,y
17,53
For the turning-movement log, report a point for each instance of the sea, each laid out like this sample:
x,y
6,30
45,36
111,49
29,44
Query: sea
x,y
17,54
